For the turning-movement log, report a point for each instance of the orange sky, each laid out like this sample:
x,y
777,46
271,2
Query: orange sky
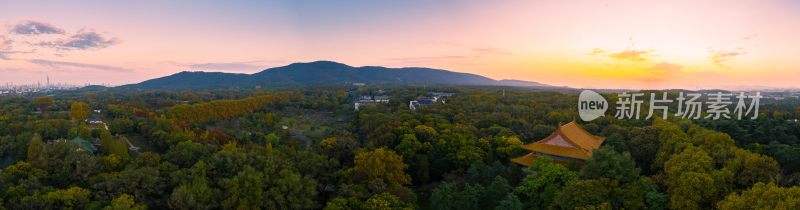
x,y
609,44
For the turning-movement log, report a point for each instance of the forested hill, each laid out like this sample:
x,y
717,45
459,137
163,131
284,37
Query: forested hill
x,y
322,73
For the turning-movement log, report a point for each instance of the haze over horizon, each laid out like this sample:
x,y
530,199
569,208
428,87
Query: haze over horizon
x,y
583,44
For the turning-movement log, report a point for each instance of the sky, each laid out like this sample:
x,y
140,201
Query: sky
x,y
583,44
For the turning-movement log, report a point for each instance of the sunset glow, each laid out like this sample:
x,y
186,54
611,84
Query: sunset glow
x,y
608,44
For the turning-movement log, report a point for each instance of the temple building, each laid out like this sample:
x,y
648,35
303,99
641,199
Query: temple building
x,y
569,142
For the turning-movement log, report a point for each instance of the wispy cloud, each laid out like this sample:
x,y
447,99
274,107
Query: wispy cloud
x,y
65,64
720,54
5,45
632,55
27,32
83,40
597,51
4,53
627,54
643,65
30,27
719,57
6,49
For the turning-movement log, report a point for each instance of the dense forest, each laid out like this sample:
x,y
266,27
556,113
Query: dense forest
x,y
308,149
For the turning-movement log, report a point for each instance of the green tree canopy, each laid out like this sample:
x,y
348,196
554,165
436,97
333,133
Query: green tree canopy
x,y
546,179
607,163
37,152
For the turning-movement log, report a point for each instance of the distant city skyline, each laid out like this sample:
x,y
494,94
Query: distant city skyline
x,y
582,44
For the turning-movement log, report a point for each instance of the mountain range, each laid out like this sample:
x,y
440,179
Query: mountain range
x,y
322,73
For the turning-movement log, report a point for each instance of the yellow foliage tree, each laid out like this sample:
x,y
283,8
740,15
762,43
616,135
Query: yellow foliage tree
x,y
79,111
382,164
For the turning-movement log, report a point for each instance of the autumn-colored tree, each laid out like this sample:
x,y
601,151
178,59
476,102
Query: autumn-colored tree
x,y
111,162
425,133
689,181
751,168
385,201
79,111
341,203
583,194
221,109
672,139
763,196
209,153
43,102
506,146
125,202
382,164
71,198
718,145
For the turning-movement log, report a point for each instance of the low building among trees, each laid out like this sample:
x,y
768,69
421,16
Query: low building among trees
x,y
366,100
569,142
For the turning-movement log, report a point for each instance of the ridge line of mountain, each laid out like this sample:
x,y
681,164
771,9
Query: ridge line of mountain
x,y
322,73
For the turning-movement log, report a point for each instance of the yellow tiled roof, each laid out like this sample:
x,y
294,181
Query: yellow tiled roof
x,y
558,150
525,160
575,135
